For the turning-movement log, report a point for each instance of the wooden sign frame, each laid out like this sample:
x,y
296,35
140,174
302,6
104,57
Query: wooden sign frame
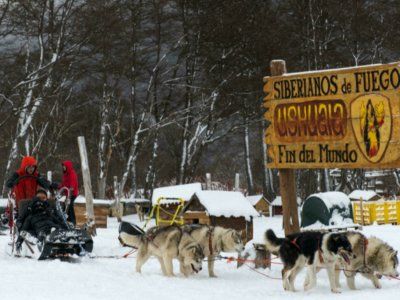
x,y
341,118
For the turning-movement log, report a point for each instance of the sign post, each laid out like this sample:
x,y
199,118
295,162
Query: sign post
x,y
287,177
339,118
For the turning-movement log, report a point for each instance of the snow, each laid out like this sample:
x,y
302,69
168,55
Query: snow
x,y
183,191
332,199
226,204
134,200
278,201
254,199
3,202
81,199
106,279
365,195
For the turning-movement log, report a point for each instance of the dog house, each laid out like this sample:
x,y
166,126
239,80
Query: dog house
x,y
260,204
357,195
221,208
329,209
101,211
276,206
170,199
130,205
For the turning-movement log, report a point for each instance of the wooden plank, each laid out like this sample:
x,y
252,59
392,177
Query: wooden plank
x,y
343,118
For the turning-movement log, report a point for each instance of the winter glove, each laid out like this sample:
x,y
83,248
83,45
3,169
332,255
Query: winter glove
x,y
54,185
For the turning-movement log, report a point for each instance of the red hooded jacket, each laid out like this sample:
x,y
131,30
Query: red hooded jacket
x,y
26,187
70,179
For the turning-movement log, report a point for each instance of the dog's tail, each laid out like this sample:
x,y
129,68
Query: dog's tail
x,y
272,242
130,235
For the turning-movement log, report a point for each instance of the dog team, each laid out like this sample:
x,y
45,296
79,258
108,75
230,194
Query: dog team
x,y
348,252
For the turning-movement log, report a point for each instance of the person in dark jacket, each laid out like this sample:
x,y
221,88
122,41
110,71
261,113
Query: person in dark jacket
x,y
70,181
39,220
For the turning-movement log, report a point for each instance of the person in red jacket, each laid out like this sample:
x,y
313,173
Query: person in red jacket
x,y
26,181
70,181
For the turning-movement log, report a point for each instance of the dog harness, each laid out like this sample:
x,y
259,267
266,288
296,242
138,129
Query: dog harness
x,y
294,242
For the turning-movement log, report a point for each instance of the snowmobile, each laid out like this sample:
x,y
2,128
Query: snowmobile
x,y
60,243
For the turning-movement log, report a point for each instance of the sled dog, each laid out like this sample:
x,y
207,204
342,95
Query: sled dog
x,y
372,258
165,243
311,249
215,240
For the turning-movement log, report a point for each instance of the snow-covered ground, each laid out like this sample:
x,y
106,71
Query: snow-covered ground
x,y
112,279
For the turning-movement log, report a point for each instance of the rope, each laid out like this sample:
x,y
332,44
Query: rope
x,y
126,255
261,273
230,259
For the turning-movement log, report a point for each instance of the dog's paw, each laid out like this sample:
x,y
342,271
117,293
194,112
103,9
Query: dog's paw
x,y
213,275
307,287
377,285
336,291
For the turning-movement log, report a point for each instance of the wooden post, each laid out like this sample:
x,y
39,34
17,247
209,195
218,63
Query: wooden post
x,y
287,177
87,186
117,200
208,181
237,182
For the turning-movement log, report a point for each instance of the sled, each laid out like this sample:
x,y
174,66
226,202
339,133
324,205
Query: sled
x,y
59,243
164,217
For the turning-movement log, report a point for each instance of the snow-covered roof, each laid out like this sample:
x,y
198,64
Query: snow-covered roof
x,y
81,199
135,200
254,199
183,191
226,204
365,195
333,199
278,201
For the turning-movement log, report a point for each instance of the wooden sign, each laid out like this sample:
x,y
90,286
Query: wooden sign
x,y
342,118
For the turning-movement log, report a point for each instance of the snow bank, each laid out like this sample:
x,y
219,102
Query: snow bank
x,y
365,195
183,191
226,204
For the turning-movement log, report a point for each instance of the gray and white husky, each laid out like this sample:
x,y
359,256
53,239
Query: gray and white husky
x,y
215,240
371,258
166,243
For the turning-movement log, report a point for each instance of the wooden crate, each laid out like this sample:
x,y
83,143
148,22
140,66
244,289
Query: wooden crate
x,y
101,212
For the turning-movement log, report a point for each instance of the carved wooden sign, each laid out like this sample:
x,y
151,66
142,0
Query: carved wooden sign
x,y
342,118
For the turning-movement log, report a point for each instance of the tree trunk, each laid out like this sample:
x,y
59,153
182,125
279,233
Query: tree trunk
x,y
249,173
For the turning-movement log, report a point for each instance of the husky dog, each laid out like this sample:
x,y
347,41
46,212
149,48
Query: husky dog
x,y
309,249
140,212
372,258
165,243
215,240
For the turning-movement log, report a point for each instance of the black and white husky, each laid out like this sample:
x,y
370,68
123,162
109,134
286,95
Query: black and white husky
x,y
309,249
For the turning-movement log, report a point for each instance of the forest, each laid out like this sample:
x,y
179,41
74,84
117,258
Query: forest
x,y
165,91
